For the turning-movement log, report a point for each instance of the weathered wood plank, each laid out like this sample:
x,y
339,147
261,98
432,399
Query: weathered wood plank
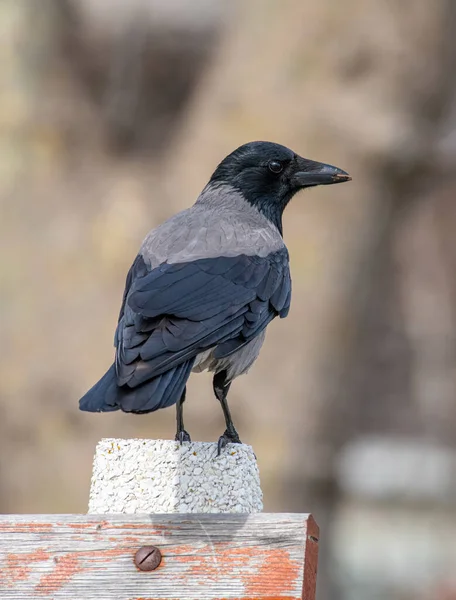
x,y
88,557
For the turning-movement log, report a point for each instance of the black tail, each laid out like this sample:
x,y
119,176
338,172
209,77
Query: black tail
x,y
159,392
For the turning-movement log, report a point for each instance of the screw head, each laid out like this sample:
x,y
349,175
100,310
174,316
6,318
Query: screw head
x,y
148,558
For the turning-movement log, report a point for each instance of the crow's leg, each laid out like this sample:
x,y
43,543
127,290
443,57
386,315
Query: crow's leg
x,y
221,387
181,435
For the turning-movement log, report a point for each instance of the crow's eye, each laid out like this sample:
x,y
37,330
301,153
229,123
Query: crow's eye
x,y
275,166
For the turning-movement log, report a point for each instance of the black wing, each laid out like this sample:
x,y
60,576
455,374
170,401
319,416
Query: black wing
x,y
175,311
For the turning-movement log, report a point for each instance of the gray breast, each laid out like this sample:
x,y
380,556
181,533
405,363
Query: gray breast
x,y
236,364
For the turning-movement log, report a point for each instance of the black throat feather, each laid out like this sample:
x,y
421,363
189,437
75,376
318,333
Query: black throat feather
x,y
263,193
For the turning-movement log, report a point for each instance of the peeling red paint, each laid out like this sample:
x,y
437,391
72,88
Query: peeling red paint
x,y
277,575
153,528
265,573
186,549
65,568
68,565
19,566
262,597
26,527
131,539
102,524
90,525
127,539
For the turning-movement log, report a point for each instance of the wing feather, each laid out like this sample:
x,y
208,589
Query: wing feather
x,y
172,313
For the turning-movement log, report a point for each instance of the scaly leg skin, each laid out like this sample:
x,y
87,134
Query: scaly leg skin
x,y
221,387
181,435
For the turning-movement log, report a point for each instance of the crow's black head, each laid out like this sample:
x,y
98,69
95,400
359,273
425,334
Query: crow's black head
x,y
268,175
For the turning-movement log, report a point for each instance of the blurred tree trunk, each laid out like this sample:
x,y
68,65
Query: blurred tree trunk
x,y
26,35
363,85
25,39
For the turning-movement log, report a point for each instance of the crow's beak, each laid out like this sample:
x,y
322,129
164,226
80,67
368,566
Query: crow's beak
x,y
310,173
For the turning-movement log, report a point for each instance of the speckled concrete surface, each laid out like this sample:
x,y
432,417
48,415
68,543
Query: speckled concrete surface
x,y
160,476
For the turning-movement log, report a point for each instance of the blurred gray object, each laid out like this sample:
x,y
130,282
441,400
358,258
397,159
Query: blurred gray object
x,y
399,515
398,468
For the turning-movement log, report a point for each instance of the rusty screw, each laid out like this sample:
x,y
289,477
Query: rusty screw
x,y
148,558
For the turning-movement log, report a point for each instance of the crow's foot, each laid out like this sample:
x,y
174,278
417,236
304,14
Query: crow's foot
x,y
182,436
229,437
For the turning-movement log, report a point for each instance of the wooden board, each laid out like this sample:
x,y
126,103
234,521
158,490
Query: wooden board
x,y
80,557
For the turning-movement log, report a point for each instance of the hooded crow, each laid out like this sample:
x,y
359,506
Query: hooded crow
x,y
205,285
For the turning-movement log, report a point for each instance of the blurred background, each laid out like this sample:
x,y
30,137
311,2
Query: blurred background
x,y
113,115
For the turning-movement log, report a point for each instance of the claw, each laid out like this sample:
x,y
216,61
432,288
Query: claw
x,y
229,437
182,436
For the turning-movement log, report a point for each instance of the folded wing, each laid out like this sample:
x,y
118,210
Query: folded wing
x,y
174,312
